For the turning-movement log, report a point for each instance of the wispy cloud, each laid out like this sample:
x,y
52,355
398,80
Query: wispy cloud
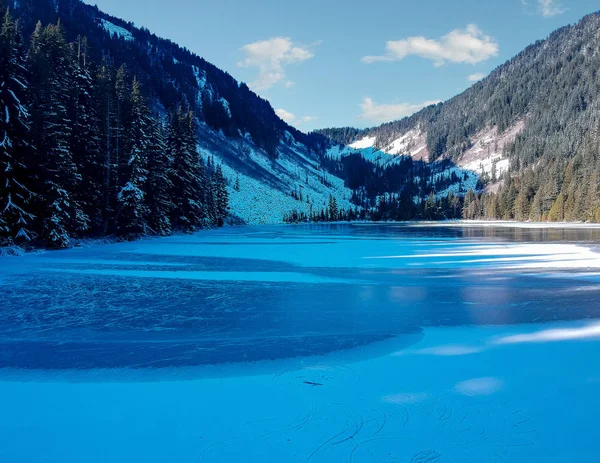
x,y
285,115
476,77
378,113
470,45
271,57
307,119
547,8
291,118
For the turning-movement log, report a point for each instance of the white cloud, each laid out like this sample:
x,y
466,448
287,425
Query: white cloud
x,y
270,57
285,115
374,112
547,8
550,8
476,77
470,45
291,118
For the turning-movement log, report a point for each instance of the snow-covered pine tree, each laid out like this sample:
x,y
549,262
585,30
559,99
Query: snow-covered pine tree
x,y
159,183
221,196
15,147
85,139
59,213
105,96
188,174
131,199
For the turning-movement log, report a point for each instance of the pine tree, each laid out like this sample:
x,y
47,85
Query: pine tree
x,y
159,183
15,146
131,201
188,175
333,211
85,139
219,188
60,214
431,207
105,97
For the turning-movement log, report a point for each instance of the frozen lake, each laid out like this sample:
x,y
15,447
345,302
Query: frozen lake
x,y
351,343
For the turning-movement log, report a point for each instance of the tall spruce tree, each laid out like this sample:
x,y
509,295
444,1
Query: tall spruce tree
x,y
221,196
131,199
15,147
85,138
104,95
187,175
59,212
159,183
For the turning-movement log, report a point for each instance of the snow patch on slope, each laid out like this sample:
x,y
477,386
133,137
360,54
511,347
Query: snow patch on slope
x,y
367,142
488,150
367,150
113,29
265,186
413,143
225,104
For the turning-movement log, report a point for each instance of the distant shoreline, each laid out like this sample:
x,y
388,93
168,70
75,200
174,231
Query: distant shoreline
x,y
15,251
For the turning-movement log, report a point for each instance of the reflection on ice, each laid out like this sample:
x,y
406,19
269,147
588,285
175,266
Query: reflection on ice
x,y
590,331
530,256
443,351
479,386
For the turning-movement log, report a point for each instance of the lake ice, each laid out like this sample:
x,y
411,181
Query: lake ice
x,y
312,343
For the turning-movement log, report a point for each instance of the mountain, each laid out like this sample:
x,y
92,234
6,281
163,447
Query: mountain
x,y
531,130
108,129
97,135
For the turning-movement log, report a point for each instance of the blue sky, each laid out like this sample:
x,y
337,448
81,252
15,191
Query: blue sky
x,y
325,63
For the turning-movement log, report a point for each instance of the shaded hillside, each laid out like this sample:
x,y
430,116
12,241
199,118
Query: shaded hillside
x,y
540,112
109,129
171,75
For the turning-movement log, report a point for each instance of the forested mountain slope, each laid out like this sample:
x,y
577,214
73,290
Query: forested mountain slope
x,y
108,129
531,128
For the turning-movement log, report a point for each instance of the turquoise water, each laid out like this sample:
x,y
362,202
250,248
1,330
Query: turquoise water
x,y
400,343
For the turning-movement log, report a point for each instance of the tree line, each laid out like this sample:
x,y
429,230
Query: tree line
x,y
83,153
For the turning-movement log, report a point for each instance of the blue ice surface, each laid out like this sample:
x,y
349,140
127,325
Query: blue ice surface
x,y
254,343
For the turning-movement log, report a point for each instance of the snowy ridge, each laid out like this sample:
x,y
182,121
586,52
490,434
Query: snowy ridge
x,y
484,158
119,31
366,149
412,143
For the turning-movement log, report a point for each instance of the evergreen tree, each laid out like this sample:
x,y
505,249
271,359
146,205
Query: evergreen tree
x,y
86,142
15,146
159,183
131,200
105,96
219,188
333,211
187,175
59,212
